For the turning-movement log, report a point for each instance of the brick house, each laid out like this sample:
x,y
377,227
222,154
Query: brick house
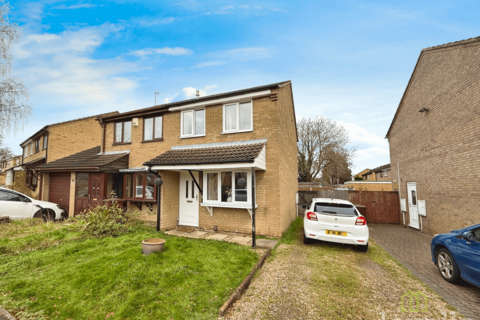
x,y
381,173
377,179
221,157
360,174
9,171
48,144
434,139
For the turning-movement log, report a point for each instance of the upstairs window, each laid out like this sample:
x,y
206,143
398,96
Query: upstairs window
x,y
37,145
153,128
386,174
31,148
193,123
45,142
237,117
123,132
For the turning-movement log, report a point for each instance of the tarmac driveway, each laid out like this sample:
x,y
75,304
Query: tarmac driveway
x,y
412,249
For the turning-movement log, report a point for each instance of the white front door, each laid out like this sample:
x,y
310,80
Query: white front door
x,y
412,204
189,197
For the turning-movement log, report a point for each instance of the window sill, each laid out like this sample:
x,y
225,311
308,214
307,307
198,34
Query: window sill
x,y
188,137
242,131
120,143
153,140
228,205
137,200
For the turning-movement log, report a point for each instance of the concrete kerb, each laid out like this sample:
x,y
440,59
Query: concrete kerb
x,y
4,315
243,286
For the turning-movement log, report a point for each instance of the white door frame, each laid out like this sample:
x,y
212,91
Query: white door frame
x,y
413,205
189,200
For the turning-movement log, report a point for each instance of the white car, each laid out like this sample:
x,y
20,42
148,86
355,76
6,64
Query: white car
x,y
18,206
335,220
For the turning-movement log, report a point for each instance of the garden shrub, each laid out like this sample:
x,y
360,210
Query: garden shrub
x,y
106,220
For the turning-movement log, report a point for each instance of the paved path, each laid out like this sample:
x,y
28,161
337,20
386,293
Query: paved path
x,y
412,249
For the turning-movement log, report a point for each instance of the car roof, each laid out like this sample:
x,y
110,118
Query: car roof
x,y
332,200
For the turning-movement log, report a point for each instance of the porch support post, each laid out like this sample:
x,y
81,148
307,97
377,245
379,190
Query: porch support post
x,y
253,207
158,206
196,182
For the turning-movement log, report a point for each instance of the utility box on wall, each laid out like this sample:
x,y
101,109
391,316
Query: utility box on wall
x,y
421,208
403,205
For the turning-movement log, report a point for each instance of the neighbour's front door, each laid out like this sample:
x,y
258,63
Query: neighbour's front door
x,y
95,189
412,204
189,197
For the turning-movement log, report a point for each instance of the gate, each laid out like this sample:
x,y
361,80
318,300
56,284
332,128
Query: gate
x,y
304,198
381,206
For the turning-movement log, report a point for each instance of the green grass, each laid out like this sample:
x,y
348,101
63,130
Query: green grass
x,y
294,233
110,277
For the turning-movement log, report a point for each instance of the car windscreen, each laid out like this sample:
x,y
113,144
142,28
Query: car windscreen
x,y
335,208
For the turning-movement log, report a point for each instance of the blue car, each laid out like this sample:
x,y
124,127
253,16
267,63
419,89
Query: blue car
x,y
457,254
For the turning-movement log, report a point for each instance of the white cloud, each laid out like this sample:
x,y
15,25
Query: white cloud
x,y
75,6
241,54
361,135
209,64
148,22
210,87
190,92
170,51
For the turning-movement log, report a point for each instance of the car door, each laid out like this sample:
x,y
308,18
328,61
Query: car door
x,y
469,257
15,205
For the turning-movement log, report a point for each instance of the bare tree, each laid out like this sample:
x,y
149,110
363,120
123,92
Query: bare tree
x,y
338,171
319,140
5,152
14,104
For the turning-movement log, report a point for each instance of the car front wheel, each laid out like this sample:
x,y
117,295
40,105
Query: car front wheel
x,y
447,266
45,214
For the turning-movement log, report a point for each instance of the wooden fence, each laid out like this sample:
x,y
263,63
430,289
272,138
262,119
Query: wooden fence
x,y
380,206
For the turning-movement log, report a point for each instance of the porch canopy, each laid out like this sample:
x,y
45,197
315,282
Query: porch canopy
x,y
220,155
91,160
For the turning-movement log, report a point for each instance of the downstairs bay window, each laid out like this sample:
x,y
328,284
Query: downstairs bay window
x,y
140,186
227,188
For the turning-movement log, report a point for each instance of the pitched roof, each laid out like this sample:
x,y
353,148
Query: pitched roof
x,y
209,154
90,158
377,169
54,124
162,107
425,50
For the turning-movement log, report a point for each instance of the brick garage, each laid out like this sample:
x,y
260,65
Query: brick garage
x,y
437,148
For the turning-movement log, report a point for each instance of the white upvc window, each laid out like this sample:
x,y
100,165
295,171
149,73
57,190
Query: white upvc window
x,y
227,188
192,123
237,117
386,174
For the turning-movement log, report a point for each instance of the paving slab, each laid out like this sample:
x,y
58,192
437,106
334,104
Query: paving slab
x,y
264,243
241,240
176,233
217,236
195,234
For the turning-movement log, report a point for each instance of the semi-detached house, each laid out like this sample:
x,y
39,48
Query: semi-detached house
x,y
219,157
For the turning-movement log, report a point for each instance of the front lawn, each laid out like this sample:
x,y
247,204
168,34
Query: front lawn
x,y
110,278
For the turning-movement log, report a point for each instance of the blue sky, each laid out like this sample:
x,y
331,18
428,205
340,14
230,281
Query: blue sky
x,y
348,60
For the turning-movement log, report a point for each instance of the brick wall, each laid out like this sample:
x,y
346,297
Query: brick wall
x,y
276,187
387,178
438,149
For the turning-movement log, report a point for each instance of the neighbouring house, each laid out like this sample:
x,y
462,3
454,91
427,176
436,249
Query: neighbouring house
x,y
9,172
360,174
221,158
434,140
48,144
377,179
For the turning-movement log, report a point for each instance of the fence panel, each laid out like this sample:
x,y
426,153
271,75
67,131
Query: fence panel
x,y
333,194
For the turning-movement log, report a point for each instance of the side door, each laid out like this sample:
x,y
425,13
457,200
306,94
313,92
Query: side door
x,y
412,204
8,208
469,256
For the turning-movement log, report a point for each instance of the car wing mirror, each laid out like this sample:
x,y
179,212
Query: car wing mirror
x,y
26,200
468,235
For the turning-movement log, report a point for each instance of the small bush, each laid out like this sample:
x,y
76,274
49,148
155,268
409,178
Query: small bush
x,y
106,220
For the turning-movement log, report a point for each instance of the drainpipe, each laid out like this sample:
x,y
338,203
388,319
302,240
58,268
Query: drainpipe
x,y
253,207
400,192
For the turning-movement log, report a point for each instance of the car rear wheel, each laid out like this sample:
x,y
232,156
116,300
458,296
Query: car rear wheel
x,y
447,266
307,240
362,248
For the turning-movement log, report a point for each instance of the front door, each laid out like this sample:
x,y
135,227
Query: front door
x,y
95,189
412,204
189,198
